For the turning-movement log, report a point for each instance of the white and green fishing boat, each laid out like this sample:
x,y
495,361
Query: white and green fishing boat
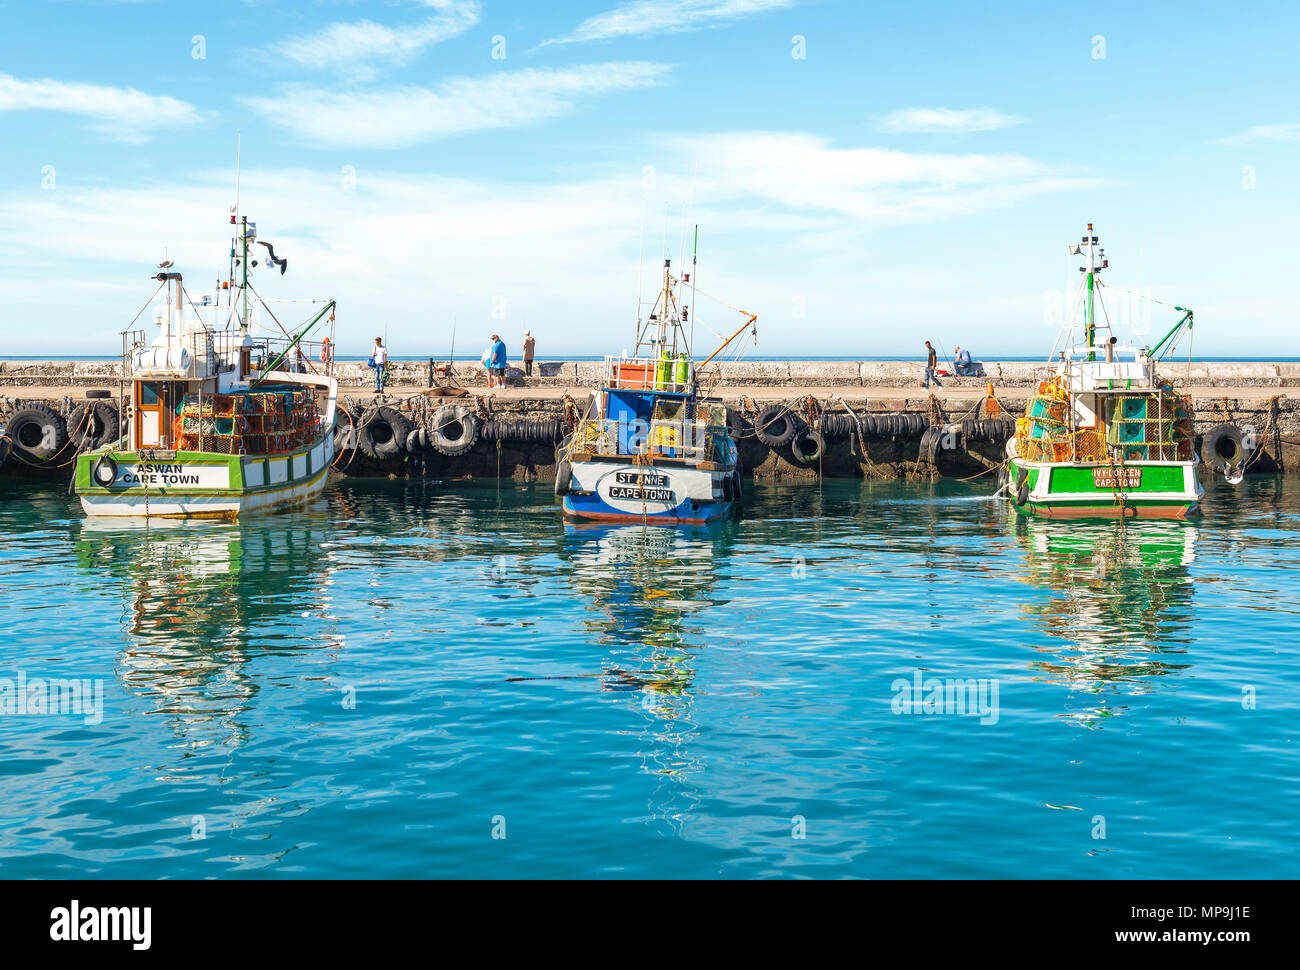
x,y
218,417
1106,437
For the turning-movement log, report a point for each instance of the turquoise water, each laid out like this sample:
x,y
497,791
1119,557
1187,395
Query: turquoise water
x,y
381,683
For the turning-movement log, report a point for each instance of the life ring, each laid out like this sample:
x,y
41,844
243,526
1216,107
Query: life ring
x,y
454,430
383,435
563,478
775,426
1223,447
799,445
37,430
104,471
326,351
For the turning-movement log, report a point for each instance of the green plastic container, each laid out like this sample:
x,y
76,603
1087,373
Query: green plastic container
x,y
664,369
683,368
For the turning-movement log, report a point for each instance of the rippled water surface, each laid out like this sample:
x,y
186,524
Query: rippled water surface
x,y
379,684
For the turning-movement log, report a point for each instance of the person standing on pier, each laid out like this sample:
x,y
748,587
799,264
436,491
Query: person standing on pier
x,y
931,362
497,362
379,361
529,344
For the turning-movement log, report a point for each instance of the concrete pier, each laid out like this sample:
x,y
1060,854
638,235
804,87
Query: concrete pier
x,y
1261,397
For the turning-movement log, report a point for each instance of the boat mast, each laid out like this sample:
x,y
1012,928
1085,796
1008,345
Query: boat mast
x,y
1090,322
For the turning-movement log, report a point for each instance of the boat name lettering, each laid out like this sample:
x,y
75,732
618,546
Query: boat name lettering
x,y
157,475
1112,477
636,478
646,494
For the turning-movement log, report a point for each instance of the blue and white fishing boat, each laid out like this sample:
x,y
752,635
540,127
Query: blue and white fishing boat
x,y
651,448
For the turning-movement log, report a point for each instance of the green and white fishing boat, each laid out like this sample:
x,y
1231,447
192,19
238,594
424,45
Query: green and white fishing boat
x,y
218,418
1106,437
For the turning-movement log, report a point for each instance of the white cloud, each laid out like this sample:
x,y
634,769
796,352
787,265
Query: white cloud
x,y
1283,132
805,174
781,215
408,115
124,114
644,18
944,120
355,44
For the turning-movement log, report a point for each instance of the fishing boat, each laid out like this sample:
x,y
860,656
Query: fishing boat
x,y
651,447
218,418
1106,436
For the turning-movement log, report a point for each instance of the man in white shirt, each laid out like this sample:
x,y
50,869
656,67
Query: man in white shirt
x,y
379,361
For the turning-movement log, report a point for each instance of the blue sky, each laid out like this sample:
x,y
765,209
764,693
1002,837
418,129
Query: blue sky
x,y
917,173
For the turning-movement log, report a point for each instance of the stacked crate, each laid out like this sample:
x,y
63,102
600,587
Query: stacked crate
x,y
268,422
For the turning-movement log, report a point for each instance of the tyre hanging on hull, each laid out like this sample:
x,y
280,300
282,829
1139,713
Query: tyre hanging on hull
x,y
563,478
37,431
775,426
454,430
104,471
383,435
807,446
93,425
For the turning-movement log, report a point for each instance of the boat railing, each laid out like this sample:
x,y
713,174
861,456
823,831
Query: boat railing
x,y
132,342
296,357
673,375
692,439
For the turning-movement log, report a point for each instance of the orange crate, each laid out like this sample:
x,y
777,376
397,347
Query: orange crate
x,y
635,376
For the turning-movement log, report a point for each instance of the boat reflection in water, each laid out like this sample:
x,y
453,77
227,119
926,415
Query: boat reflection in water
x,y
1121,598
644,586
203,599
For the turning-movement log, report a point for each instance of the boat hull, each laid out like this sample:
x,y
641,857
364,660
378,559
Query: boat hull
x,y
1064,490
613,491
192,484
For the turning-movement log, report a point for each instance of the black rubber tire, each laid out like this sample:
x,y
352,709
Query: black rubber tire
x,y
382,433
449,418
1214,442
775,426
1022,485
92,426
109,467
563,478
799,445
98,392
413,441
37,431
735,424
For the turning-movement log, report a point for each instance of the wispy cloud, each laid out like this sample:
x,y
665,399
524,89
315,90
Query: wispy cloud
x,y
644,18
1284,132
946,120
356,45
804,173
399,116
124,114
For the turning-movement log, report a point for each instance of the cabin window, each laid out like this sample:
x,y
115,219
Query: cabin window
x,y
148,393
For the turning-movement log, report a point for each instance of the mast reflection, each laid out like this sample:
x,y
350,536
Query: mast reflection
x,y
1119,598
644,585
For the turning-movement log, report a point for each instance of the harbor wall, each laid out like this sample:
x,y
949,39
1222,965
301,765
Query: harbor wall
x,y
1253,396
810,373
